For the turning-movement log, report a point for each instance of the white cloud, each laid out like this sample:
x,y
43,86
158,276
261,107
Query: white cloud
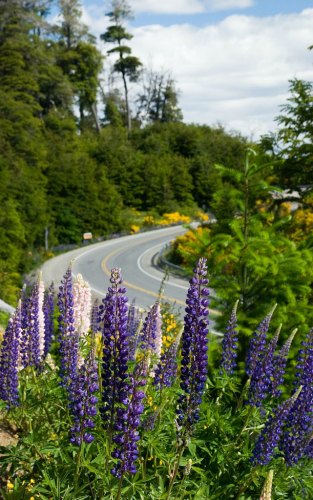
x,y
228,4
234,72
187,6
168,7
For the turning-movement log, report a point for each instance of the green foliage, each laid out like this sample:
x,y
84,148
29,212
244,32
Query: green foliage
x,y
250,255
215,464
291,145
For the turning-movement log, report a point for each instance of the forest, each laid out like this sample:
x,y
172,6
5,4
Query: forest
x,y
66,168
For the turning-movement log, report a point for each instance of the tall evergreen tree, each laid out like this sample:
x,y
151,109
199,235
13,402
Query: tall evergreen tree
x,y
291,146
126,65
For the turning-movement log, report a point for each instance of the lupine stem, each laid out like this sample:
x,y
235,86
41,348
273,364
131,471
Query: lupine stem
x,y
78,465
175,471
120,483
41,396
242,395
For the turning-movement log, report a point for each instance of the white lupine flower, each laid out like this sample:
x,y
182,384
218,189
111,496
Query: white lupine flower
x,y
82,305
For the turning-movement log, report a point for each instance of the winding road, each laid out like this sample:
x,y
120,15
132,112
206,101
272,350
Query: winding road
x,y
134,255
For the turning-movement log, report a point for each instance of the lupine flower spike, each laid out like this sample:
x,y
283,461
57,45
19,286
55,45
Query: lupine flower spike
x,y
134,324
299,425
150,340
257,344
82,305
95,317
194,353
48,309
68,337
230,344
33,326
126,450
269,438
279,365
82,310
166,370
261,378
9,358
115,352
83,400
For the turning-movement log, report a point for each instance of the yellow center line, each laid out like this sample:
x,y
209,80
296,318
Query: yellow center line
x,y
107,271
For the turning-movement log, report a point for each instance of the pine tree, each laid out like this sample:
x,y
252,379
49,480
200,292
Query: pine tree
x,y
126,65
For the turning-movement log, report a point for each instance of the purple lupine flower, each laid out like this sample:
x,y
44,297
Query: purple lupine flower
x,y
148,333
279,365
257,344
194,353
166,369
24,342
9,358
261,378
295,442
115,350
151,335
230,344
127,423
269,438
48,309
95,317
83,400
33,335
68,337
133,328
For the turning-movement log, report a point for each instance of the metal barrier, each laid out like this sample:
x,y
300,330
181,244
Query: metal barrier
x,y
166,265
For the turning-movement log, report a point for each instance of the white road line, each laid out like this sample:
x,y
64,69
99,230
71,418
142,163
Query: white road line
x,y
151,275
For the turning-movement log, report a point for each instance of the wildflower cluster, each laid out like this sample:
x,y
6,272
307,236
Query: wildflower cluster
x,y
125,380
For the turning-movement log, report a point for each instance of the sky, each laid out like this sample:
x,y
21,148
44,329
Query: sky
x,y
231,59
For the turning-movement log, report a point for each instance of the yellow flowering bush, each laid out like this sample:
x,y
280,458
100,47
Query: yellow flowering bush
x,y
170,329
134,228
202,216
174,218
148,220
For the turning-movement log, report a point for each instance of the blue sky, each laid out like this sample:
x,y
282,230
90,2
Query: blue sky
x,y
207,15
231,59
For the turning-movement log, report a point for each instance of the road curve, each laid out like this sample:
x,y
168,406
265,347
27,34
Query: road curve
x,y
133,254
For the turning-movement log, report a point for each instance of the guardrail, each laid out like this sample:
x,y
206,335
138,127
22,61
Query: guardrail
x,y
164,264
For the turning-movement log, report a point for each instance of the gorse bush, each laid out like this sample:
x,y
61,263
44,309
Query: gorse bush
x,y
108,403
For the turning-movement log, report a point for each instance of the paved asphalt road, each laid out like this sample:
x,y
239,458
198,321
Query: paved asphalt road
x,y
133,254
